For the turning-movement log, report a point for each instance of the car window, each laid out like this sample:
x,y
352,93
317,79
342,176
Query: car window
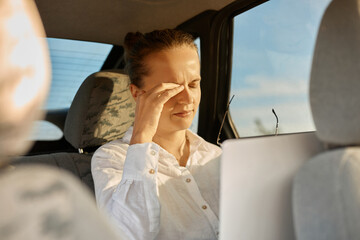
x,y
273,48
194,124
45,131
71,62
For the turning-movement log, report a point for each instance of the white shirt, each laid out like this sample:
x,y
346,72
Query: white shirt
x,y
148,195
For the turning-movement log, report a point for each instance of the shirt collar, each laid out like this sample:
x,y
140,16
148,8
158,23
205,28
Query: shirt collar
x,y
194,139
167,161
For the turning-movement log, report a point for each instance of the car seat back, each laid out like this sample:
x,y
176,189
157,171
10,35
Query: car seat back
x,y
102,110
326,193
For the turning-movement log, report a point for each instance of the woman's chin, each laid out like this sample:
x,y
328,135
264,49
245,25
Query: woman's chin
x,y
183,126
179,126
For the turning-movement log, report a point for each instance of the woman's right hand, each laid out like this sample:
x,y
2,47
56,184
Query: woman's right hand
x,y
149,106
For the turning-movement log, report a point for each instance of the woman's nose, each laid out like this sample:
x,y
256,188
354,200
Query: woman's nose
x,y
185,96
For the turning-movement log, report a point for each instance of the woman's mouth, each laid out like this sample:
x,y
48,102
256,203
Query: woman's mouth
x,y
183,114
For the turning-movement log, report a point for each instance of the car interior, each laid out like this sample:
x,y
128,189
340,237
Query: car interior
x,y
317,188
95,116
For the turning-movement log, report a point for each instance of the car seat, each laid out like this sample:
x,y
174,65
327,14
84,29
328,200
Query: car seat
x,y
326,190
102,110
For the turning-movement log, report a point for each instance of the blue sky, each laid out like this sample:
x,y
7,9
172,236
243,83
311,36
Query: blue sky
x,y
273,47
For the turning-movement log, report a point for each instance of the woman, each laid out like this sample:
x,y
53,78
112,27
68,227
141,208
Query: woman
x,y
161,180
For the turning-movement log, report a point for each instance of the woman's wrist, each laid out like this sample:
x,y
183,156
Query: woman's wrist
x,y
138,139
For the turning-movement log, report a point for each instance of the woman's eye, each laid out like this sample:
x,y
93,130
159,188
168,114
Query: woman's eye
x,y
193,85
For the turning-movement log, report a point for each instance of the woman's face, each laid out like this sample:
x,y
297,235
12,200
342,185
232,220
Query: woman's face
x,y
177,65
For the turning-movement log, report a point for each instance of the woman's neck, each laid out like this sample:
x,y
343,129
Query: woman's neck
x,y
175,143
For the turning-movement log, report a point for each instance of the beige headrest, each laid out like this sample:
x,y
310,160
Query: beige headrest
x,y
102,110
335,75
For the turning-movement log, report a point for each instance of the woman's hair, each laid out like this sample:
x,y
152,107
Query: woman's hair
x,y
138,46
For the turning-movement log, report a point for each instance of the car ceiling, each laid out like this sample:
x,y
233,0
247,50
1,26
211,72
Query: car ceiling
x,y
108,21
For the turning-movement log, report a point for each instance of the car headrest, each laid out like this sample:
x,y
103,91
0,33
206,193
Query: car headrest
x,y
335,75
102,110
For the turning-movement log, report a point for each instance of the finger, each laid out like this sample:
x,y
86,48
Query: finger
x,y
162,87
169,93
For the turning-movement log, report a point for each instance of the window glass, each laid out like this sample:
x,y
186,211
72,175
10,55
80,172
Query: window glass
x,y
273,48
45,131
71,62
194,124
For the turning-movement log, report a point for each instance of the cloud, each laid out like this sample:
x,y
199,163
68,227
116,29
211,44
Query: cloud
x,y
260,86
277,37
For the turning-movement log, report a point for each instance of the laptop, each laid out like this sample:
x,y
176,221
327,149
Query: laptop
x,y
256,183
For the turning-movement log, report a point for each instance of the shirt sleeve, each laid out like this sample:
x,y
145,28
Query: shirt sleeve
x,y
126,187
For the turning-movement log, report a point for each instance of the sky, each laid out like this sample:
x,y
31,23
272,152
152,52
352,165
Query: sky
x,y
273,47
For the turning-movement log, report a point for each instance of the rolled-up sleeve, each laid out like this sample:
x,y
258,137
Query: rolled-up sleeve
x,y
126,188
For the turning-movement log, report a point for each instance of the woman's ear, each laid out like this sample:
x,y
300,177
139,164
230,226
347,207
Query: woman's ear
x,y
135,91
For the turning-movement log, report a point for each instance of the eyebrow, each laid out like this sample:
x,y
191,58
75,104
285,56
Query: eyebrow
x,y
196,80
191,81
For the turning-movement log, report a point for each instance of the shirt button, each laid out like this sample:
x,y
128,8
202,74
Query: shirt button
x,y
151,171
188,180
153,153
204,207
